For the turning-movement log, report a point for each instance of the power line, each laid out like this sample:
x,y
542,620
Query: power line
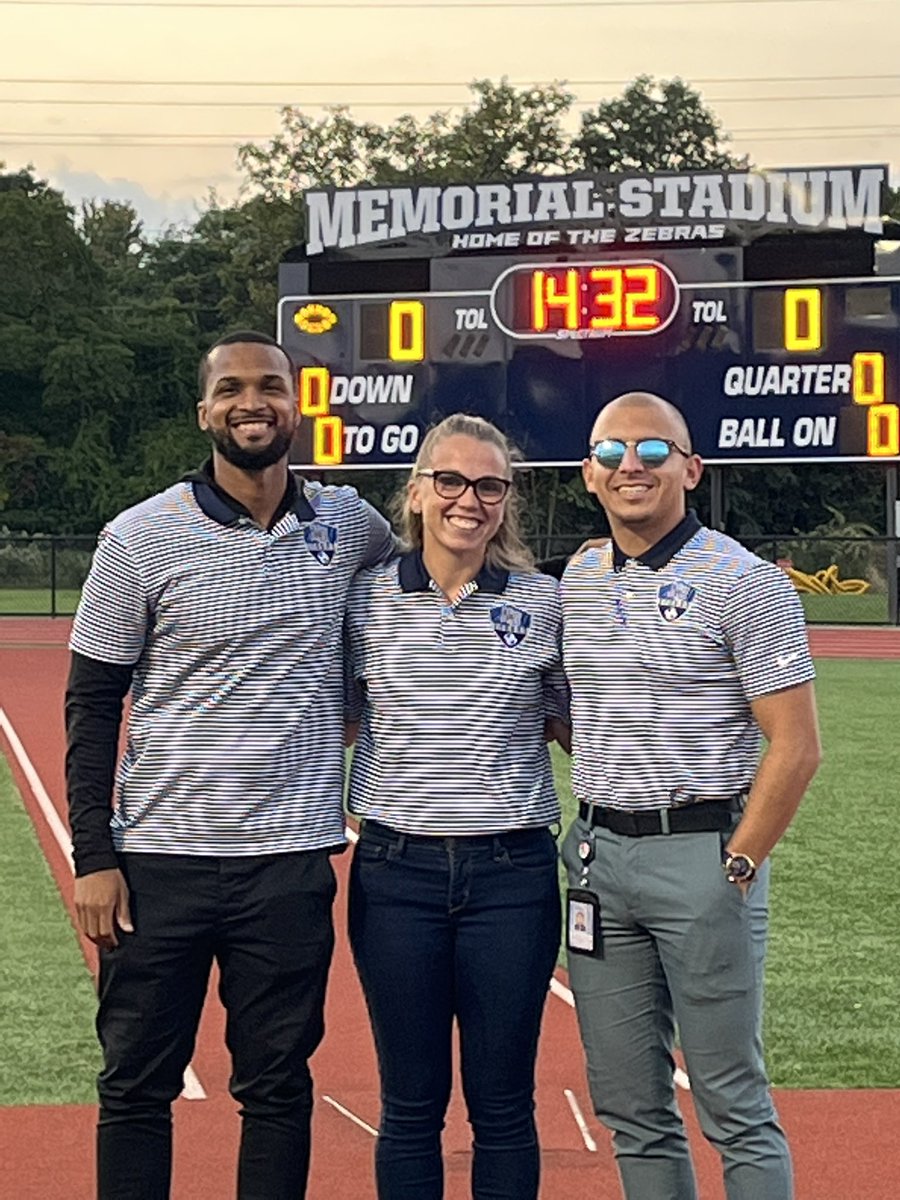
x,y
31,145
398,4
116,140
61,102
405,83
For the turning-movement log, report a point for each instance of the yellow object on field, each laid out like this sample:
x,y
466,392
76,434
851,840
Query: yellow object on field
x,y
826,582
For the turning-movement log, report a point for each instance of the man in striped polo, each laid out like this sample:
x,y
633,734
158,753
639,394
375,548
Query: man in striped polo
x,y
219,604
680,647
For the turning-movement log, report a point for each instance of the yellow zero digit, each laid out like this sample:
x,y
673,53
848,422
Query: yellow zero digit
x,y
868,378
406,331
328,441
802,319
883,430
315,391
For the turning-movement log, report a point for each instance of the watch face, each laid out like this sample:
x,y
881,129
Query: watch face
x,y
738,866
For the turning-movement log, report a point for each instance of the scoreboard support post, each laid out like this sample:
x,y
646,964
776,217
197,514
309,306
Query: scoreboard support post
x,y
717,497
892,522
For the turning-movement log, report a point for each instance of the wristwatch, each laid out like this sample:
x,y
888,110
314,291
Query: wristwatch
x,y
739,868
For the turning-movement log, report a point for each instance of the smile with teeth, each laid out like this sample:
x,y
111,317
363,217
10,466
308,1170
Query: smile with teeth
x,y
633,489
252,424
463,522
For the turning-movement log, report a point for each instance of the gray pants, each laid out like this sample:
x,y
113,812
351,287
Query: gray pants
x,y
681,946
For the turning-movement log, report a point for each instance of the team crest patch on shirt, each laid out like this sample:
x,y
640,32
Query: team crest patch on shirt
x,y
321,541
674,599
510,624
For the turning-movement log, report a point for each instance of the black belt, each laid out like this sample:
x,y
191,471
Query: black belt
x,y
703,816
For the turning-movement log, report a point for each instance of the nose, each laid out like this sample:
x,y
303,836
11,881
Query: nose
x,y
630,460
468,499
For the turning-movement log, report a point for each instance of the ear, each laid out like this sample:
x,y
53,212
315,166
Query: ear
x,y
202,419
587,474
693,472
414,492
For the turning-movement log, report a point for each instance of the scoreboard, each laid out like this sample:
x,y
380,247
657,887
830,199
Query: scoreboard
x,y
763,370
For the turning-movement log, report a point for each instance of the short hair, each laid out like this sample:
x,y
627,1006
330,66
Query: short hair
x,y
506,549
239,337
651,400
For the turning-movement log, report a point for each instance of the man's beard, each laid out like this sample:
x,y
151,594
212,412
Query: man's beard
x,y
247,458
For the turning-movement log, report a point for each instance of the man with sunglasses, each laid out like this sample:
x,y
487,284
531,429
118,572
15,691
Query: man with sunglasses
x,y
680,647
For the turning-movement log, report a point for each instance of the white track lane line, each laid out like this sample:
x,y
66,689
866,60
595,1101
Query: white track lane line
x,y
351,1116
193,1088
589,1142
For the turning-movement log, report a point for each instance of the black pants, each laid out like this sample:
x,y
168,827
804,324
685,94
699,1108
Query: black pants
x,y
267,922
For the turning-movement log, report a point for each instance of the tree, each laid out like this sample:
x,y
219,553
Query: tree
x,y
509,132
653,126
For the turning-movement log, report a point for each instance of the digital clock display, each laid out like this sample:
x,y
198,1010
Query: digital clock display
x,y
585,300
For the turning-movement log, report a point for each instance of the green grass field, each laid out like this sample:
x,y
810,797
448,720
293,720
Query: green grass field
x,y
868,609
50,1054
834,948
38,601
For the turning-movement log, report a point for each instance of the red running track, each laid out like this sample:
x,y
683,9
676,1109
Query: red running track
x,y
846,1143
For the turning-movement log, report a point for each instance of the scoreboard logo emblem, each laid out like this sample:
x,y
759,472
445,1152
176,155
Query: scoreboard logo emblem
x,y
674,599
321,541
510,624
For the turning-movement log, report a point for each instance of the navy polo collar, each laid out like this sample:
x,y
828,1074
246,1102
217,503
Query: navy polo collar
x,y
414,577
221,507
666,548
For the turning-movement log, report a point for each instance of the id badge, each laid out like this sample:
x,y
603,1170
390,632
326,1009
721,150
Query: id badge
x,y
583,922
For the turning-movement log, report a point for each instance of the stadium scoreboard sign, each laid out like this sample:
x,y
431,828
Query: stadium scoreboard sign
x,y
537,327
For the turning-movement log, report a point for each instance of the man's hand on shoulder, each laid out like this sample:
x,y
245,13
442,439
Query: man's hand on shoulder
x,y
591,544
101,906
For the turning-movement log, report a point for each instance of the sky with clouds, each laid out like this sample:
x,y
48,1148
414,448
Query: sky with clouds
x,y
146,101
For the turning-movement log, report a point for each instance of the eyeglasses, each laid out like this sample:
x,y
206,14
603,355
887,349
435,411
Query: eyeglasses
x,y
652,452
450,485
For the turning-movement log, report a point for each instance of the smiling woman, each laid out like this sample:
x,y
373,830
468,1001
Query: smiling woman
x,y
454,662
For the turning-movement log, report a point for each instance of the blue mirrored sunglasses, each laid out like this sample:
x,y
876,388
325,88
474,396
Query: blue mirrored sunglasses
x,y
652,452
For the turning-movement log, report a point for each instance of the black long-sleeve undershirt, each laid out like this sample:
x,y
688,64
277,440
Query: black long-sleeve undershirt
x,y
94,697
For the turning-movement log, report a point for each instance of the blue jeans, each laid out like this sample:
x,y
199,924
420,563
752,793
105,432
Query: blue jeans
x,y
464,927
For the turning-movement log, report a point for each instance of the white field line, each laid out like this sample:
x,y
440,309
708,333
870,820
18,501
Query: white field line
x,y
45,804
351,1116
560,989
193,1088
589,1142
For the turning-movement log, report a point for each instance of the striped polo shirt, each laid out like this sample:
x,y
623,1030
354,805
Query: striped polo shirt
x,y
453,698
234,632
664,654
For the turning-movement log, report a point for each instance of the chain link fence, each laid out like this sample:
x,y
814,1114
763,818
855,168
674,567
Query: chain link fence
x,y
41,576
841,581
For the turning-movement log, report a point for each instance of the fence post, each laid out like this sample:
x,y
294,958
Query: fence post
x,y
52,576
